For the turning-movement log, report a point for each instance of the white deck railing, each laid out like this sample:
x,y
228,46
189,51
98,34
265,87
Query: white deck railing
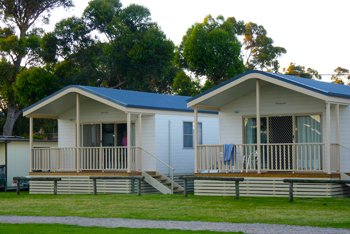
x,y
304,157
90,159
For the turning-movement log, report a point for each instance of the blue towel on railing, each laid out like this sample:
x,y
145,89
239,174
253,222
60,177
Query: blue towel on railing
x,y
229,150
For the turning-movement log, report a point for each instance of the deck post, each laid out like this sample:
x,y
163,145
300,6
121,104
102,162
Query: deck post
x,y
128,134
195,139
30,144
291,198
95,186
337,137
258,125
139,143
328,138
77,128
18,186
55,187
186,185
237,189
139,187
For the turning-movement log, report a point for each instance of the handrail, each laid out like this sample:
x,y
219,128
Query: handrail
x,y
165,164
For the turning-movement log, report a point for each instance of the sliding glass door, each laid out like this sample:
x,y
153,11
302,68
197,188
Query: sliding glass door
x,y
96,135
288,141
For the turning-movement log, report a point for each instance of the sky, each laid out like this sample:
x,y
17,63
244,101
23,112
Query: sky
x,y
315,33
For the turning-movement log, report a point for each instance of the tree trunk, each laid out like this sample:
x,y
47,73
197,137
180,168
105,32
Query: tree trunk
x,y
12,115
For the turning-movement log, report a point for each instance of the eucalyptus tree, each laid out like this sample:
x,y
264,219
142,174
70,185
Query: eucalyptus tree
x,y
302,71
20,46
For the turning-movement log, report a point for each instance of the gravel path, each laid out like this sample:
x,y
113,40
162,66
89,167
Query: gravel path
x,y
183,225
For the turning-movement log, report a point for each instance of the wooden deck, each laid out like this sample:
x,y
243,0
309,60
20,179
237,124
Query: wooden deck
x,y
273,175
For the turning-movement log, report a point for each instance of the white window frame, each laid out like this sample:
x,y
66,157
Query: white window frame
x,y
200,134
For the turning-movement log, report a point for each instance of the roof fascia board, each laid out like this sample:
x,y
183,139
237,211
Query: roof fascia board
x,y
72,90
340,101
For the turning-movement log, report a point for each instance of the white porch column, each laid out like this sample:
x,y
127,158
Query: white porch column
x,y
337,137
328,139
128,134
30,144
337,129
77,128
258,124
139,142
195,139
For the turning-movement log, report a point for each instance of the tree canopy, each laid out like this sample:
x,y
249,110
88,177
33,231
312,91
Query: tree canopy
x,y
341,76
302,71
220,48
212,49
260,53
20,46
130,51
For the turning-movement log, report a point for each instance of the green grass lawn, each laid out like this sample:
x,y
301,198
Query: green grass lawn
x,y
325,212
58,229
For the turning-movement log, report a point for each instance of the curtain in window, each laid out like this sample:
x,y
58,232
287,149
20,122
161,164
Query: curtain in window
x,y
91,135
250,130
309,131
250,136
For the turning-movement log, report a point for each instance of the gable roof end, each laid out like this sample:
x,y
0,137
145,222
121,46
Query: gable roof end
x,y
315,86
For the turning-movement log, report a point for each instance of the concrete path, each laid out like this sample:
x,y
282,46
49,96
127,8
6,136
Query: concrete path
x,y
183,225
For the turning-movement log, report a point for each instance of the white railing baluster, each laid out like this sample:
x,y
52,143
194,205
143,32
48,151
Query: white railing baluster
x,y
275,157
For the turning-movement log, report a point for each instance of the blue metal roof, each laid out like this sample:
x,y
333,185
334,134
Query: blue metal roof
x,y
138,99
326,88
134,99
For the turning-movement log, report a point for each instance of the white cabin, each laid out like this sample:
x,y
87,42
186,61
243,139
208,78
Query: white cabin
x,y
272,127
158,129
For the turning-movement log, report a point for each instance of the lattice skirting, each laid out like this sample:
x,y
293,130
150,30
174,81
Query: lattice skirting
x,y
253,187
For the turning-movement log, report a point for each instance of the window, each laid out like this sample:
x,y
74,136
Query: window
x,y
188,134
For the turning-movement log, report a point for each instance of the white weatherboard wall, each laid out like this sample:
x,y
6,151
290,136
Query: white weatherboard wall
x,y
66,133
17,160
148,143
182,159
344,116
